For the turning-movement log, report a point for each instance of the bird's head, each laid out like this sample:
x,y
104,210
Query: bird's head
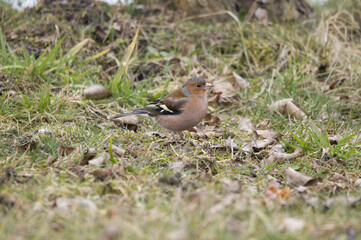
x,y
196,87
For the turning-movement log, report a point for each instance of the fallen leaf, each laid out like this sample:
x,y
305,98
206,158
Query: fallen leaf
x,y
212,120
240,81
336,177
28,145
96,92
288,106
358,183
225,90
281,157
129,122
295,178
268,134
157,134
120,152
64,150
292,225
100,160
50,160
335,139
88,155
177,166
343,201
245,124
262,144
229,143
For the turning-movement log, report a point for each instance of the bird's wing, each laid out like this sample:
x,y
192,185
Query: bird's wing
x,y
166,106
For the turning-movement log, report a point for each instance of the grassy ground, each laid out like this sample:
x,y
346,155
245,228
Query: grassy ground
x,y
218,184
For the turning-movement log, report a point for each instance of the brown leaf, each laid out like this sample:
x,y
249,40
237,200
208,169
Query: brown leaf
x,y
28,145
130,122
240,82
335,139
177,166
225,90
268,134
280,157
262,144
358,183
64,150
50,160
288,106
245,124
212,120
157,134
118,151
298,179
100,160
88,155
96,92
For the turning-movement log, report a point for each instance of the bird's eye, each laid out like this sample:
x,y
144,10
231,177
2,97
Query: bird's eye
x,y
198,85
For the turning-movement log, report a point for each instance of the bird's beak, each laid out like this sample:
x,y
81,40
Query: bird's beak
x,y
208,85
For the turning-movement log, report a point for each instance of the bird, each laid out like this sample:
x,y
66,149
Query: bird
x,y
180,110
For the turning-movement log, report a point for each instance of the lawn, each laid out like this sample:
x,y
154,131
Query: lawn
x,y
278,156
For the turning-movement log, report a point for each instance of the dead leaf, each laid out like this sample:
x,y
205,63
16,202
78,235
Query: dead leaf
x,y
261,14
206,132
295,178
28,145
88,155
335,139
225,90
336,177
288,106
343,201
96,92
64,150
262,144
120,152
280,157
157,134
240,81
245,124
358,183
212,120
100,160
129,122
177,166
268,134
292,225
50,160
229,143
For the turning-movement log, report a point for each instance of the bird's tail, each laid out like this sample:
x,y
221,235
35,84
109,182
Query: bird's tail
x,y
140,111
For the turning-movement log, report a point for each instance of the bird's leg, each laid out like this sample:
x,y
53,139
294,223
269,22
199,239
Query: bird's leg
x,y
181,135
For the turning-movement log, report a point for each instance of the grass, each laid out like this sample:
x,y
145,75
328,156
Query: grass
x,y
222,192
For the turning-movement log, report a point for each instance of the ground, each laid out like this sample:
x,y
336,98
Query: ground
x,y
278,156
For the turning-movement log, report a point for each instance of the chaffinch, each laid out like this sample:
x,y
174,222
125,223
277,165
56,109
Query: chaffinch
x,y
179,110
